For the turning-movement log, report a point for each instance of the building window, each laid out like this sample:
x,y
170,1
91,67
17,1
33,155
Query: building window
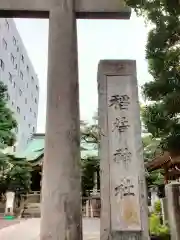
x,y
27,68
24,117
8,97
6,24
33,129
20,92
34,114
22,58
15,66
4,44
25,100
21,75
29,125
30,109
14,41
35,100
32,79
18,109
12,58
17,49
2,66
16,130
10,77
27,85
12,103
37,88
14,84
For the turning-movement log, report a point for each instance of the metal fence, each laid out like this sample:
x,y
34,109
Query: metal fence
x,y
91,206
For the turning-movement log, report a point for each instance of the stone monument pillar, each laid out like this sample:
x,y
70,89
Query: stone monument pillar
x,y
10,197
61,203
154,197
173,204
164,210
124,210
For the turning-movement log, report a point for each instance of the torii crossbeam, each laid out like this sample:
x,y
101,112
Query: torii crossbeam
x,y
114,9
61,201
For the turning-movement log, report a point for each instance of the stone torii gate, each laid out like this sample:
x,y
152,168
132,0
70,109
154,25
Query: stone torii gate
x,y
61,202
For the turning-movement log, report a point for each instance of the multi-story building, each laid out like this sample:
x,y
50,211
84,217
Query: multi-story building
x,y
17,72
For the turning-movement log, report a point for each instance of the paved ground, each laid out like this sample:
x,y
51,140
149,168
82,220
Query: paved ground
x,y
29,230
5,223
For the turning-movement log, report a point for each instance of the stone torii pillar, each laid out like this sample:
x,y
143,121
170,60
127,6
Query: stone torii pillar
x,y
61,203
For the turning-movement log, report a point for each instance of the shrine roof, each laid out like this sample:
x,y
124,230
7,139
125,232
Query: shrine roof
x,y
35,150
166,161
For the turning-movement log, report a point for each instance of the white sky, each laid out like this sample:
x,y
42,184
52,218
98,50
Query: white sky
x,y
97,39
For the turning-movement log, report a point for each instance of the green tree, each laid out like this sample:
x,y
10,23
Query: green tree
x,y
15,174
7,121
18,176
4,166
90,167
152,148
90,163
161,116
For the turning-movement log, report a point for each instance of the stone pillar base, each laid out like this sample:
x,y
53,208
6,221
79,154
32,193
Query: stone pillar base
x,y
173,205
164,210
96,206
118,235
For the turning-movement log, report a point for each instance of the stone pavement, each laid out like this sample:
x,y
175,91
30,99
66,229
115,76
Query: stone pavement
x,y
5,223
29,230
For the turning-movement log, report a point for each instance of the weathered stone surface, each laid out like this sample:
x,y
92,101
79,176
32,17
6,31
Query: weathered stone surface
x,y
173,204
102,9
83,8
33,5
124,202
61,202
164,209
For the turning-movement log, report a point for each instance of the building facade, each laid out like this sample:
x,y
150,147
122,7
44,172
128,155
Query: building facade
x,y
17,72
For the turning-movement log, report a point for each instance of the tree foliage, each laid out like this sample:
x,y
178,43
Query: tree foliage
x,y
19,174
152,148
15,174
90,167
7,121
90,164
161,116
